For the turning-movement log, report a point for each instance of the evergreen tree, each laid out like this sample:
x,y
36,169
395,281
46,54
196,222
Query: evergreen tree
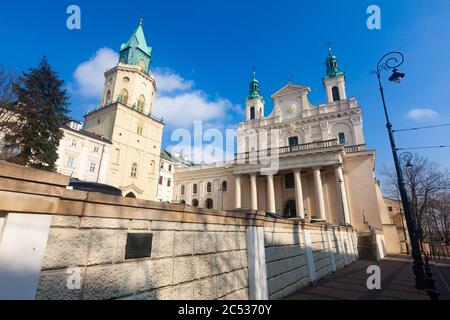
x,y
42,109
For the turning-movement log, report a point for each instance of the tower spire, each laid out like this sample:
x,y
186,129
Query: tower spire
x,y
136,51
254,87
331,64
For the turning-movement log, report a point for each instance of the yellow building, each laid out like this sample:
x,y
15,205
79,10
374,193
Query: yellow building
x,y
125,118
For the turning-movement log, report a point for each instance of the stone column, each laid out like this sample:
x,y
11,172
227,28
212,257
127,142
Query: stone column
x,y
299,194
253,192
319,193
238,204
270,195
342,193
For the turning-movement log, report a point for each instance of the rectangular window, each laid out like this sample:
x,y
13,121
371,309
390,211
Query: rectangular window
x,y
169,182
96,149
289,181
293,141
162,165
92,167
70,162
161,181
170,167
342,139
74,143
390,209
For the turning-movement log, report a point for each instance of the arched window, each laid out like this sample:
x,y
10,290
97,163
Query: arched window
x,y
131,195
224,186
117,156
209,187
140,128
134,168
182,202
108,98
290,209
252,113
123,97
335,92
141,103
341,137
209,204
183,190
195,203
194,188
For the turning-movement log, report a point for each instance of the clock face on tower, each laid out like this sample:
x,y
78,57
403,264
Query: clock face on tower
x,y
289,109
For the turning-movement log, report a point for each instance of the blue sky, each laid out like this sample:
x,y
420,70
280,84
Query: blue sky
x,y
204,51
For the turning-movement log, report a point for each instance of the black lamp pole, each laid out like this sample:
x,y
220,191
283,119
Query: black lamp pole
x,y
393,60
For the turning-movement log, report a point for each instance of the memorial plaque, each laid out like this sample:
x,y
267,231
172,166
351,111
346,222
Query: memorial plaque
x,y
139,245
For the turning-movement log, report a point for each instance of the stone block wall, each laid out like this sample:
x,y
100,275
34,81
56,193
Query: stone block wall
x,y
188,260
287,258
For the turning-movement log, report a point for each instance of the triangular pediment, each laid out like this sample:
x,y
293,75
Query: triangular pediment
x,y
290,89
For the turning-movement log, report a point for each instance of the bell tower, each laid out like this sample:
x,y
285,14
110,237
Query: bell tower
x,y
254,102
334,80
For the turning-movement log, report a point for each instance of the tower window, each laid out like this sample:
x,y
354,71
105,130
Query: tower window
x,y
141,103
108,98
341,137
335,92
169,182
252,113
134,170
140,128
123,97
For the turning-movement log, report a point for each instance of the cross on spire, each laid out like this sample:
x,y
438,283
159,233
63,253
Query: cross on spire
x,y
329,47
140,20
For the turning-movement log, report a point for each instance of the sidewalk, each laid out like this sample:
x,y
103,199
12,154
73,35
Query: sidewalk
x,y
397,282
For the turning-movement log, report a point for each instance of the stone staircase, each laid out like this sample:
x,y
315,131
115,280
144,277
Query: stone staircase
x,y
366,246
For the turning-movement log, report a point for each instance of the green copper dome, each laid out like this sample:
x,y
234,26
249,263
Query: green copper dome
x,y
332,66
136,51
254,88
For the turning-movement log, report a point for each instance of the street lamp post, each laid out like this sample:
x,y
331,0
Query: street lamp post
x,y
391,61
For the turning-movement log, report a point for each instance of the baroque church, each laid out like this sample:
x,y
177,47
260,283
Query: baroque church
x,y
301,161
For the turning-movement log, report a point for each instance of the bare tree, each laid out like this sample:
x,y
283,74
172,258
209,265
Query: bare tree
x,y
7,98
425,180
439,216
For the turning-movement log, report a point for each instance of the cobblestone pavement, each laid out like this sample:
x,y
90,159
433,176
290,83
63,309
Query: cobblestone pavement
x,y
397,282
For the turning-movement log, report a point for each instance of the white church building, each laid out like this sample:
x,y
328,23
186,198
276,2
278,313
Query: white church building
x,y
301,161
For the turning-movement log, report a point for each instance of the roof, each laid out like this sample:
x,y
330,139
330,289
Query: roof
x,y
88,134
137,40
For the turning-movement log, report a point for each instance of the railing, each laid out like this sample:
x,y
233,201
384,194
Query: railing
x,y
355,149
289,149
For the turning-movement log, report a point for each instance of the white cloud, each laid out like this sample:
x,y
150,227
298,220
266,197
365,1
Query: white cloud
x,y
422,114
89,75
167,81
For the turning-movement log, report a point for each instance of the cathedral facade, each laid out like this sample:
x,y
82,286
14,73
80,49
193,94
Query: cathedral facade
x,y
301,161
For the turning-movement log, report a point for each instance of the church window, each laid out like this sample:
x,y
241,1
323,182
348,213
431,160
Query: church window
x,y
140,128
96,149
126,79
169,182
341,137
141,103
224,186
108,98
194,188
293,141
335,92
134,168
161,179
252,113
289,181
209,204
209,187
195,203
183,189
123,97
